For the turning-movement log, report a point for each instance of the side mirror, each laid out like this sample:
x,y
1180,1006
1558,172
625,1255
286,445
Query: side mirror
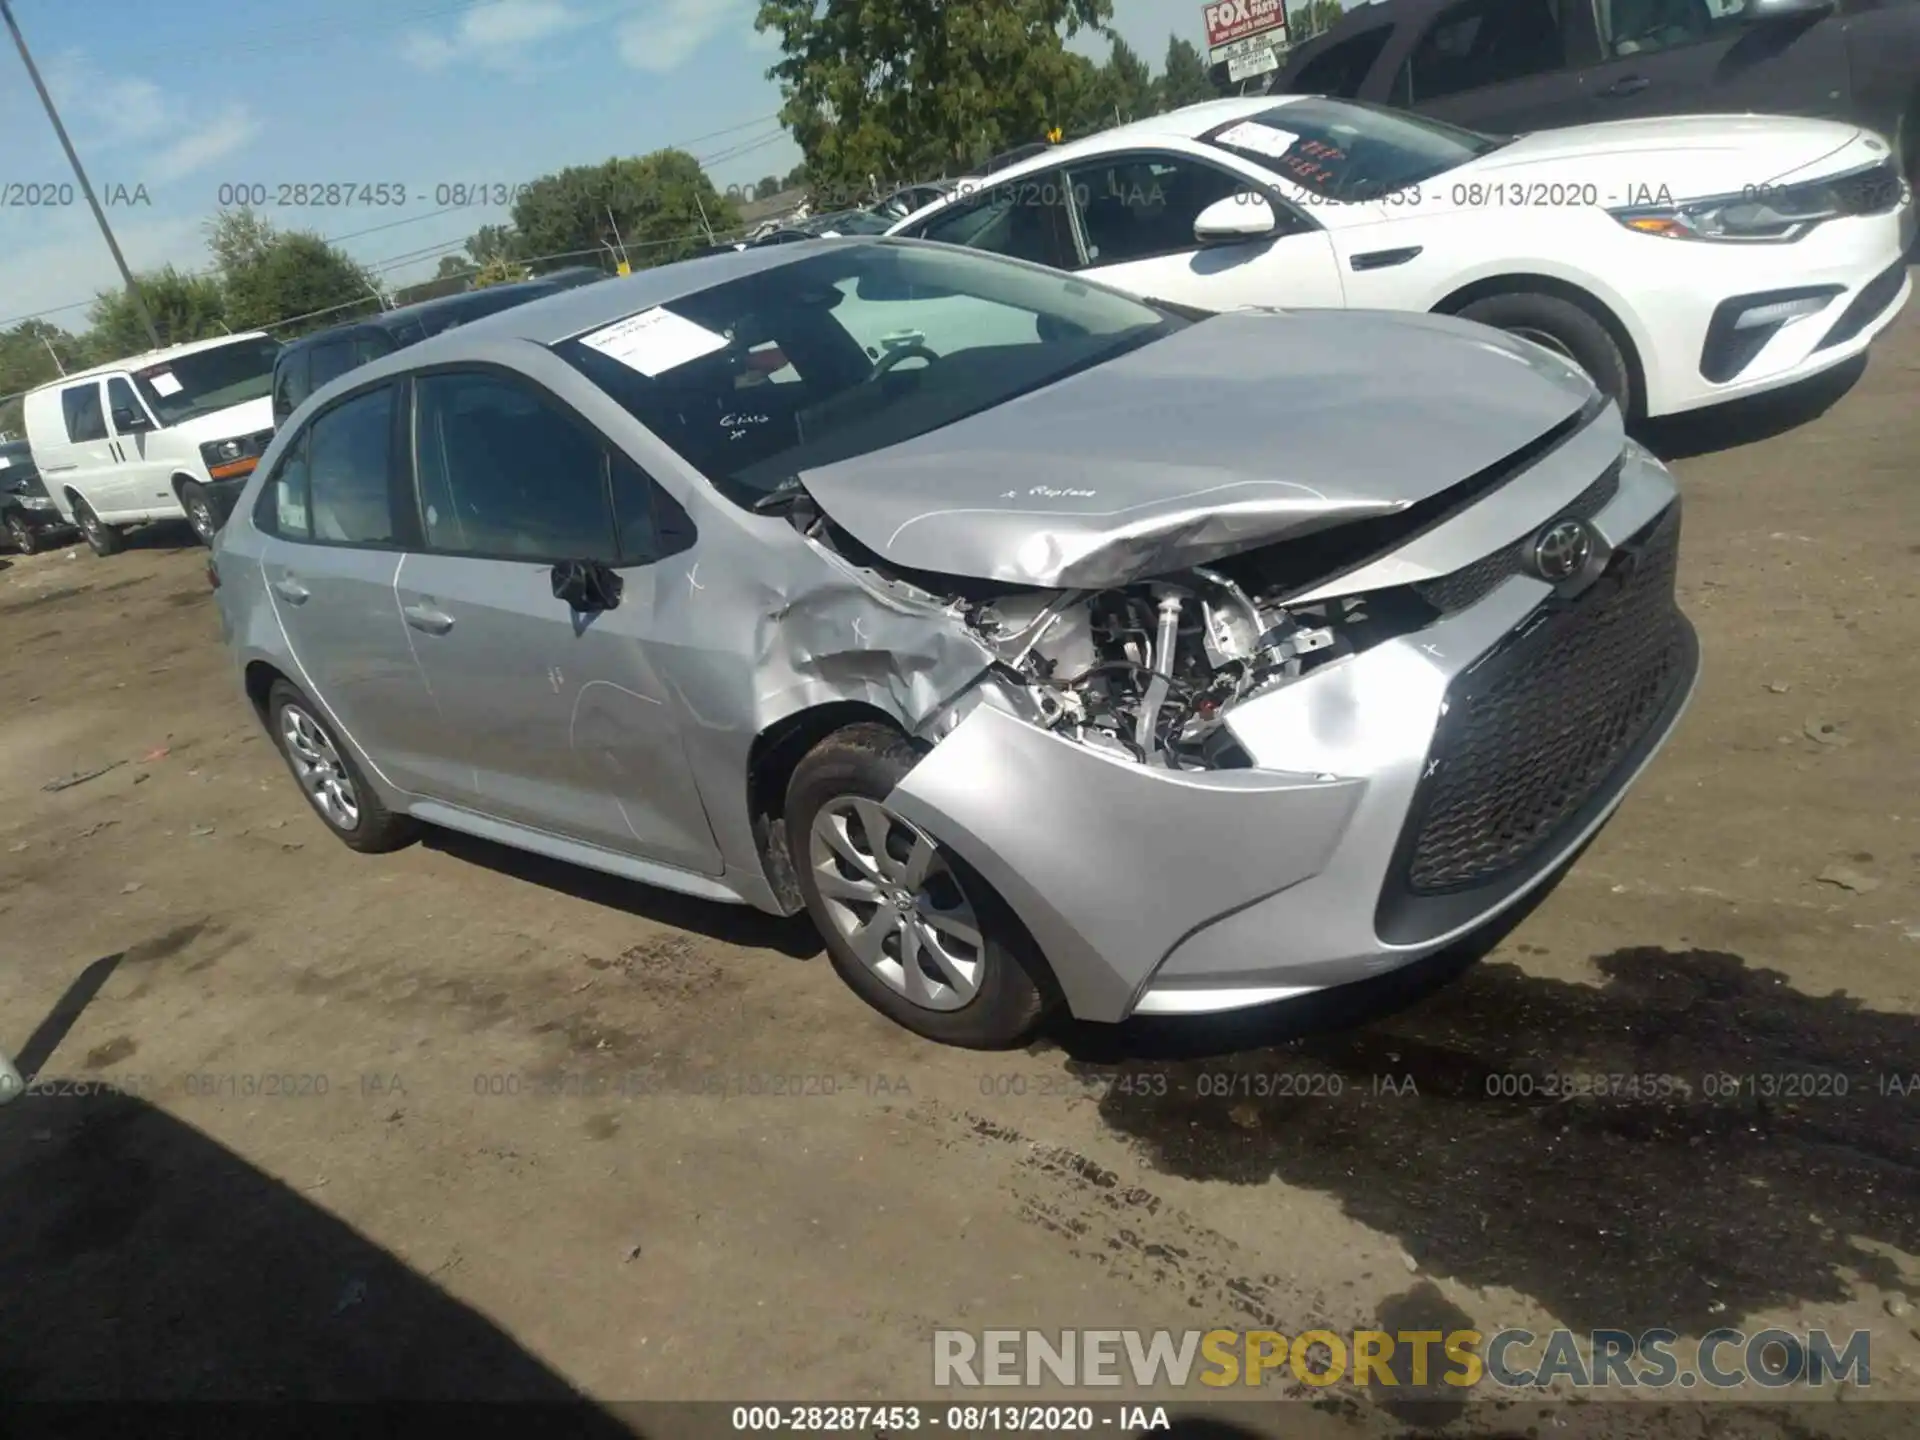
x,y
1760,12
587,586
1236,219
126,420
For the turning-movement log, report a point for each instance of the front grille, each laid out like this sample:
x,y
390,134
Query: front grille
x,y
1532,733
1473,584
1873,191
1874,297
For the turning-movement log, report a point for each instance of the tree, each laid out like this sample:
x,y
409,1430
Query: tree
x,y
907,91
1184,80
499,271
272,277
1128,83
795,179
183,307
768,187
453,267
27,354
1315,19
493,242
653,209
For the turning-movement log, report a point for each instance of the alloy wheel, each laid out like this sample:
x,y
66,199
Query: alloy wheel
x,y
896,903
200,516
322,773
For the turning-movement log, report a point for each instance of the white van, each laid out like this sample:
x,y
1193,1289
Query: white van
x,y
167,434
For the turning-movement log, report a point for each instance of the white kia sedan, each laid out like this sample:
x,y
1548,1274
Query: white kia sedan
x,y
1679,261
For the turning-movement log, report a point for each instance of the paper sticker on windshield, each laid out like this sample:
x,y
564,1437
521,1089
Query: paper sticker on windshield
x,y
4,462
1261,139
165,383
654,341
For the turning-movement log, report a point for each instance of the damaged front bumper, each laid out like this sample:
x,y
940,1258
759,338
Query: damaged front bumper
x,y
1396,800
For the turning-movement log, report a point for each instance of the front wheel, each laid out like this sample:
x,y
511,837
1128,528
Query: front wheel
x,y
102,538
193,500
329,778
21,534
908,925
1569,331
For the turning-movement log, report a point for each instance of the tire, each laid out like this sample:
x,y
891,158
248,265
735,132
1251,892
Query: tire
x,y
1564,327
330,778
841,786
193,500
21,533
102,539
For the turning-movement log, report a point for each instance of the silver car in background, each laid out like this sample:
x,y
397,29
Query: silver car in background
x,y
1045,645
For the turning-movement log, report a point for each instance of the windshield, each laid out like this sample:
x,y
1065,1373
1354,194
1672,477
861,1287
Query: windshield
x,y
209,380
1348,151
838,354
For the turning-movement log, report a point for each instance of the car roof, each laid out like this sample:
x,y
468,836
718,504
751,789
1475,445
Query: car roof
x,y
424,310
1189,122
148,359
571,312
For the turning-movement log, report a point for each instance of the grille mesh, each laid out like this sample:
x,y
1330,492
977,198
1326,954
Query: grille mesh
x,y
1524,750
1475,582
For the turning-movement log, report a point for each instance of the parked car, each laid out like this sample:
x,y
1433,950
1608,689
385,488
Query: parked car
x,y
572,275
1334,634
826,227
909,199
1514,65
1680,262
313,360
27,512
167,435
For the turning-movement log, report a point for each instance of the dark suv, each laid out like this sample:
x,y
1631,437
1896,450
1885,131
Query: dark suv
x,y
27,513
1515,65
311,361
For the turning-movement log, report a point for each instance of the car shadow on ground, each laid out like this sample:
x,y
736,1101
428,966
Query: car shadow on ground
x,y
1670,1139
1749,421
731,924
141,1260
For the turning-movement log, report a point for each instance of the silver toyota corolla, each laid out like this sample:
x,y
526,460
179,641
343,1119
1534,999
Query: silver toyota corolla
x,y
1045,645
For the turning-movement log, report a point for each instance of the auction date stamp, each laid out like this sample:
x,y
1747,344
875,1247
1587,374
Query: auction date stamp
x,y
365,194
647,1084
289,1084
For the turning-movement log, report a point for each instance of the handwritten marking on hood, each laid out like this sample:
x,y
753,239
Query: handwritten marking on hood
x,y
1051,492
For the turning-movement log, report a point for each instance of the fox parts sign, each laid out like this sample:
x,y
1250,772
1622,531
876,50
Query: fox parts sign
x,y
1232,24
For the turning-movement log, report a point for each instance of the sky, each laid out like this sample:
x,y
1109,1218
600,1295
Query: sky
x,y
168,104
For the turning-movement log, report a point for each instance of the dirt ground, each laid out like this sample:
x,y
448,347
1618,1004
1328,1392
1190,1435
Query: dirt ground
x,y
457,1122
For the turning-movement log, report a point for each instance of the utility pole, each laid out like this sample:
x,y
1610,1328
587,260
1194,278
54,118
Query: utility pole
x,y
705,224
55,354
86,186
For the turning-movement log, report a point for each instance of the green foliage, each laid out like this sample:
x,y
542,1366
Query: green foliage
x,y
896,90
453,267
183,307
656,208
767,188
25,361
499,271
1184,79
271,277
1314,19
493,242
794,178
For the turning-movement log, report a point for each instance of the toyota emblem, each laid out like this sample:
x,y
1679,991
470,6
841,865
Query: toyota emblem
x,y
1562,550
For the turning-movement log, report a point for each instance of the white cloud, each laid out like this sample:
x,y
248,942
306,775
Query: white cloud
x,y
667,32
220,137
495,36
147,133
69,261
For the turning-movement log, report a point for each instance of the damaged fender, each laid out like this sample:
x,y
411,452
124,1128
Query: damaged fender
x,y
1111,864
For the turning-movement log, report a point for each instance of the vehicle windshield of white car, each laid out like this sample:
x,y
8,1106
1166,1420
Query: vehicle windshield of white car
x,y
849,351
1347,151
209,380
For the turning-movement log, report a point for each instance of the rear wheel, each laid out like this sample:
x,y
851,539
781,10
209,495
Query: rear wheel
x,y
908,925
193,500
1569,331
21,533
329,778
102,538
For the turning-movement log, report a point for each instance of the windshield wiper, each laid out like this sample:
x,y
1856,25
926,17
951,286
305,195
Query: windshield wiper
x,y
780,499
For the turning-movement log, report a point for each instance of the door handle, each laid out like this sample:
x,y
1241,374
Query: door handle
x,y
428,619
1625,85
291,590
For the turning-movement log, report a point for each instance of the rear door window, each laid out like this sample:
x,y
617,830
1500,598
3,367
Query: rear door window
x,y
329,360
1025,218
1340,70
85,418
1485,42
290,383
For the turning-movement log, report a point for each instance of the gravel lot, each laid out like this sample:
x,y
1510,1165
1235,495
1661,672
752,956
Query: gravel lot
x,y
461,1122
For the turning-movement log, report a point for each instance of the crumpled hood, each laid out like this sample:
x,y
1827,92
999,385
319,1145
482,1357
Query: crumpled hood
x,y
1240,430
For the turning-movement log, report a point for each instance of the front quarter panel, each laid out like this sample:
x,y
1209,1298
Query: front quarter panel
x,y
1111,864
